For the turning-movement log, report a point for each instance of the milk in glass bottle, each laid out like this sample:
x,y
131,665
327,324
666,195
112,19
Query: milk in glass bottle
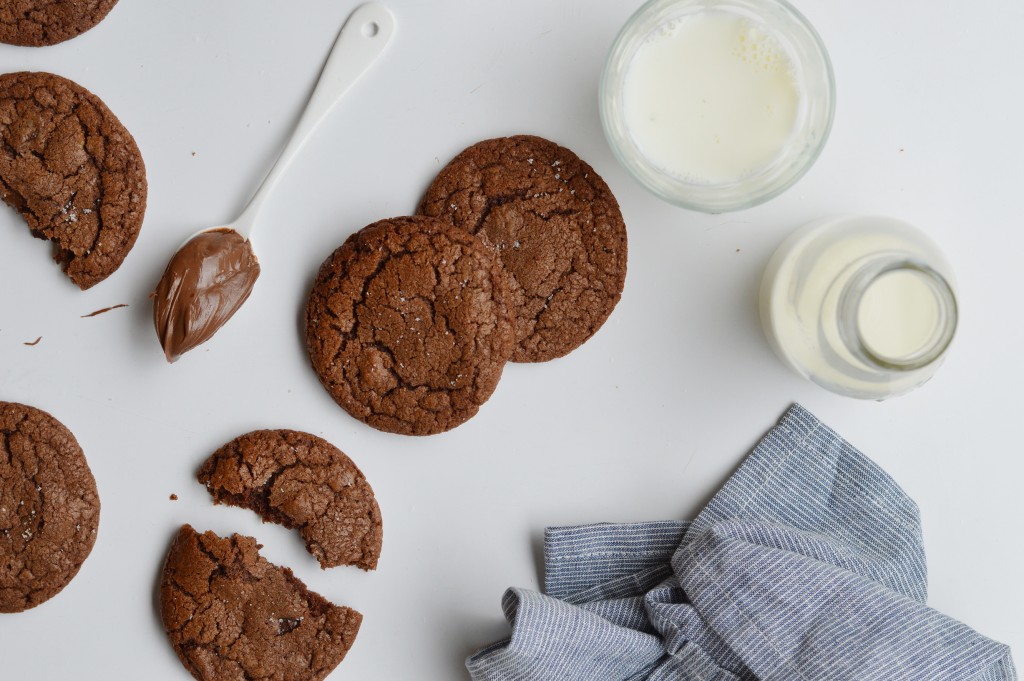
x,y
864,306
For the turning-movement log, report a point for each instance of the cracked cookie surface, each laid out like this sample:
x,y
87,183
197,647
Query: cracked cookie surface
x,y
408,325
72,171
35,23
49,507
303,482
233,616
556,227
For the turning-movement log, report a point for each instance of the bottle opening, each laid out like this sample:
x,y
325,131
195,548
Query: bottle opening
x,y
903,316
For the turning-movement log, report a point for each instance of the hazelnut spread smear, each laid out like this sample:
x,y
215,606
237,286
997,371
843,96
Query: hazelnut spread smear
x,y
204,284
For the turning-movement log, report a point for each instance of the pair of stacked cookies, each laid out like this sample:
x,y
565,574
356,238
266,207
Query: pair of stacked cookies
x,y
518,253
228,612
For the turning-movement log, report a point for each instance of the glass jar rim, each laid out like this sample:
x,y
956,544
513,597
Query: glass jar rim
x,y
852,332
722,196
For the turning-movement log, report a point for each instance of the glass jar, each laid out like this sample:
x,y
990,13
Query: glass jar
x,y
863,306
717,105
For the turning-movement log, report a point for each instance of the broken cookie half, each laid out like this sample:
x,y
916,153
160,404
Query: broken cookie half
x,y
73,172
231,614
303,482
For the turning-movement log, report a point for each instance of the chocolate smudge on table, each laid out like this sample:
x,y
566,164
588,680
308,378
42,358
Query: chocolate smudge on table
x,y
106,309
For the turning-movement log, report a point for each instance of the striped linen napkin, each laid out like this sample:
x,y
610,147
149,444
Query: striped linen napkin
x,y
808,564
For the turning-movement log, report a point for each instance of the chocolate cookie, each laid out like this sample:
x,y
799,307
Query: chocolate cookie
x,y
408,325
49,507
557,228
302,482
35,23
72,170
231,614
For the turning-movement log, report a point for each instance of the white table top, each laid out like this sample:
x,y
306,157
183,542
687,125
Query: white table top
x,y
643,422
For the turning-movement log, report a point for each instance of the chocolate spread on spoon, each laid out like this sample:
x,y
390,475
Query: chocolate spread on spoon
x,y
204,284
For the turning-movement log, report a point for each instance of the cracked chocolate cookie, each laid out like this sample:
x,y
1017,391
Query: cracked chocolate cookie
x,y
231,614
556,227
49,507
35,23
302,482
408,325
73,172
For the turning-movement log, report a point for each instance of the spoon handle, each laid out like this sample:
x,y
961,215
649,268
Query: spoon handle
x,y
362,39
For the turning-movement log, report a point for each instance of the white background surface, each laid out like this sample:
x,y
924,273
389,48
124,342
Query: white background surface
x,y
643,422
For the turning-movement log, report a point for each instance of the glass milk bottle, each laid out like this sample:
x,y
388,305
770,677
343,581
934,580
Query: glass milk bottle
x,y
863,306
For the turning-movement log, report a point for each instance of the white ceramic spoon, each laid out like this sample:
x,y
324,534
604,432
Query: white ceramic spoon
x,y
214,270
363,38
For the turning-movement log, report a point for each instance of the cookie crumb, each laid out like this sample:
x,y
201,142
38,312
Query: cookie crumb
x,y
173,497
106,309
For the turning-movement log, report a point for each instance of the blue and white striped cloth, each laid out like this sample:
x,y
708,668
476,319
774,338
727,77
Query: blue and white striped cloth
x,y
808,564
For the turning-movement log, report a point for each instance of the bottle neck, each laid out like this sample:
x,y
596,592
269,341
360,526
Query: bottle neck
x,y
897,314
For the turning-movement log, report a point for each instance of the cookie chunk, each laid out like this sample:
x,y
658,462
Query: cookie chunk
x,y
408,325
231,614
72,170
302,482
35,23
49,507
557,228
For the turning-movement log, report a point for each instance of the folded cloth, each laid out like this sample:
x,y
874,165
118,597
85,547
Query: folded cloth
x,y
808,564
